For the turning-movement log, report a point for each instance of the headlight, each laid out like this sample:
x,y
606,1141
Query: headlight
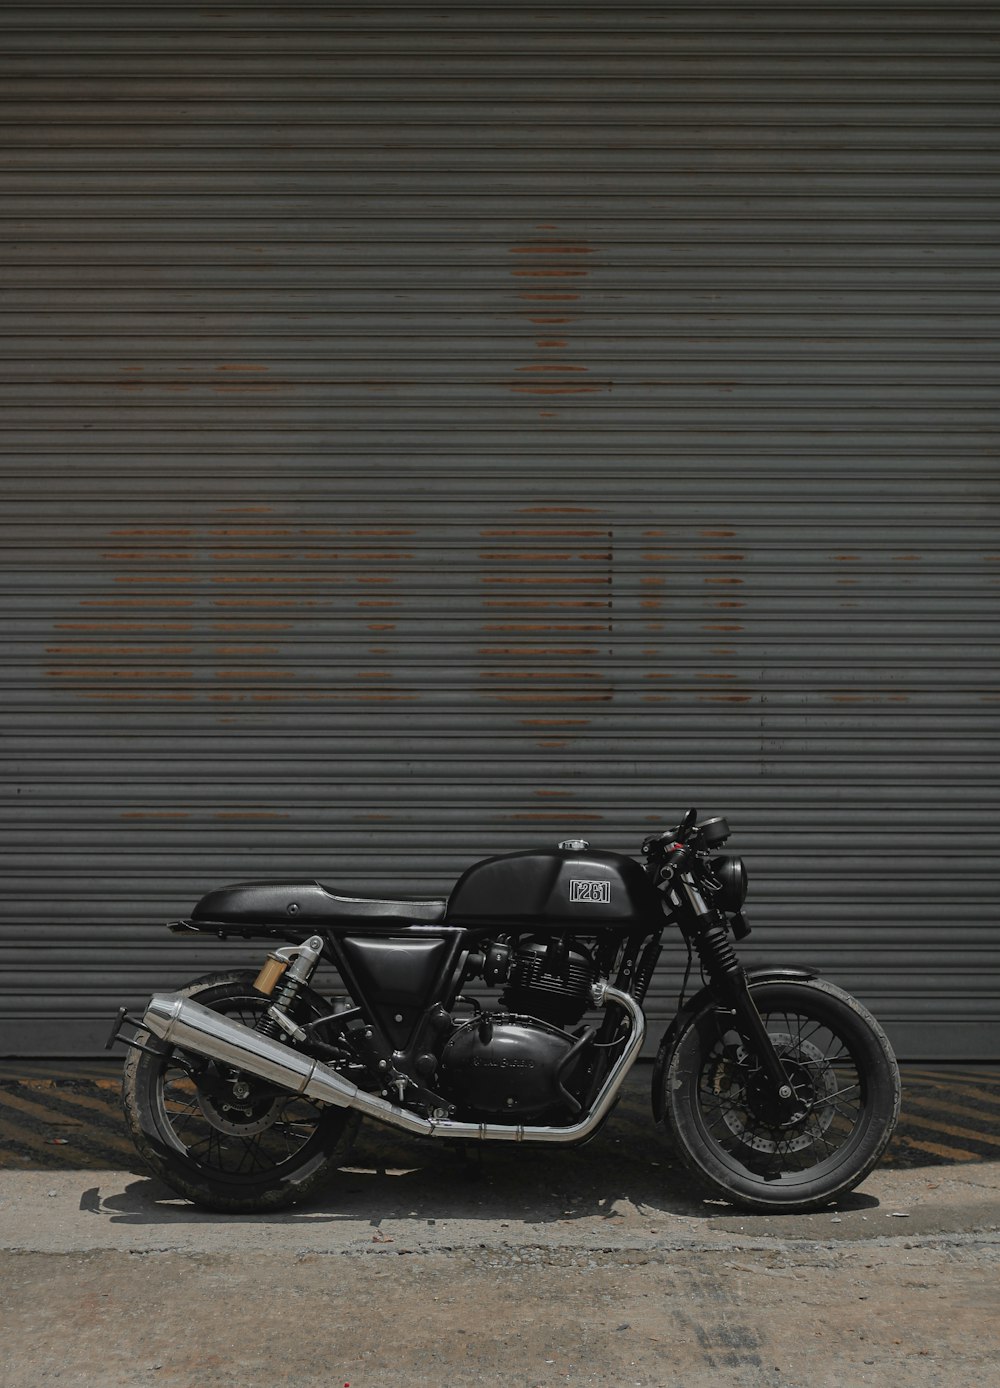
x,y
731,874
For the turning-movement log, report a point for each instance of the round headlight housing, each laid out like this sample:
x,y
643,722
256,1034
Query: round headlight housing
x,y
731,875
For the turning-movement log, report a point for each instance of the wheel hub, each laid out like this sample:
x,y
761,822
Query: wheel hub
x,y
235,1108
753,1104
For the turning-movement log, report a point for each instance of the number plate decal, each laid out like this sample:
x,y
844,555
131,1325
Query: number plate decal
x,y
589,891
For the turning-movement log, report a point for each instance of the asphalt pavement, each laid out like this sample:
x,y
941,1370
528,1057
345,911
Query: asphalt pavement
x,y
518,1267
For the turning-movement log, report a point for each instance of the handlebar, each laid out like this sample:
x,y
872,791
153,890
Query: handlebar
x,y
659,842
674,844
687,824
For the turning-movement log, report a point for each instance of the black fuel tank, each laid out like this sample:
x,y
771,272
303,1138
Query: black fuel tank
x,y
554,887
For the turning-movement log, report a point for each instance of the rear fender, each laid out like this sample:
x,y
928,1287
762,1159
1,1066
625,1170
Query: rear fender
x,y
695,1005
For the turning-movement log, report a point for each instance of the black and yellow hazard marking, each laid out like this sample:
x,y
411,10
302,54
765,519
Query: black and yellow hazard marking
x,y
56,1114
68,1115
951,1113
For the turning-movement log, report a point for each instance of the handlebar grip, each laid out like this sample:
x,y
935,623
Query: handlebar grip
x,y
670,862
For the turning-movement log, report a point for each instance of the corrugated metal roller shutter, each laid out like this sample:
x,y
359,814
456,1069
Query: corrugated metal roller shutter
x,y
430,430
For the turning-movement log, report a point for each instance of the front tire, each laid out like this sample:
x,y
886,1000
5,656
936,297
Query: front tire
x,y
842,1068
242,1148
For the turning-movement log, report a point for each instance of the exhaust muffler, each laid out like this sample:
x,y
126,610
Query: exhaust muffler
x,y
193,1027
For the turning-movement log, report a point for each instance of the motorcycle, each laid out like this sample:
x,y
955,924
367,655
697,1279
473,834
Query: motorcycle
x,y
510,1012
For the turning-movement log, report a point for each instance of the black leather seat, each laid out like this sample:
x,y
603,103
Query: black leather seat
x,y
267,906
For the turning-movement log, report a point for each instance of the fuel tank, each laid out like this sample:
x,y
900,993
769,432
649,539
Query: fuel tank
x,y
554,887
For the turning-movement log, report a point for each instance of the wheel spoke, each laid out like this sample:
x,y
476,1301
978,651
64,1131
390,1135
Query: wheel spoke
x,y
837,1094
843,1058
728,1120
181,1103
201,1124
736,1104
253,1153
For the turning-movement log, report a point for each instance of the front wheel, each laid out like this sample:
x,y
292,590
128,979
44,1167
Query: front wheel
x,y
219,1136
844,1074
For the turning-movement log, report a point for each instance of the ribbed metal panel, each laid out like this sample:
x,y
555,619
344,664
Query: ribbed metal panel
x,y
431,430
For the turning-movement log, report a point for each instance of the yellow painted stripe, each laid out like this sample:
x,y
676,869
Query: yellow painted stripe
x,y
113,1135
46,1112
30,1072
945,1079
945,1082
105,1102
938,1149
965,1091
56,1085
948,1129
936,1105
20,1144
52,1118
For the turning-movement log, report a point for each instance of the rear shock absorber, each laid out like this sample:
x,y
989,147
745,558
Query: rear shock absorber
x,y
298,963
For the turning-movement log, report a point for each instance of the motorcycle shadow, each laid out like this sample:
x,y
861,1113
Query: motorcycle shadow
x,y
626,1172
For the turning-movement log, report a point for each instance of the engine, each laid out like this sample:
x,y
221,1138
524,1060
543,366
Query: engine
x,y
551,980
521,1060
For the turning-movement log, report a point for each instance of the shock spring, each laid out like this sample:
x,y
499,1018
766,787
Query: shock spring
x,y
302,960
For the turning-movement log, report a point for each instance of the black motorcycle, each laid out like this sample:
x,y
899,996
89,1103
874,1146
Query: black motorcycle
x,y
242,1092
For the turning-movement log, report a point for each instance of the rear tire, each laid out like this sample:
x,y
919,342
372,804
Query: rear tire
x,y
264,1149
841,1066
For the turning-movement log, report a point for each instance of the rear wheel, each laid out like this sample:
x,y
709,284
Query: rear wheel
x,y
219,1136
721,1113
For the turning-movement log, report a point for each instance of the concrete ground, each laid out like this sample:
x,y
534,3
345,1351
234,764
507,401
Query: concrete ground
x,y
603,1264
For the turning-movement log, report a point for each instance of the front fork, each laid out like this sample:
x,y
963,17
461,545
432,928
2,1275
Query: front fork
x,y
709,933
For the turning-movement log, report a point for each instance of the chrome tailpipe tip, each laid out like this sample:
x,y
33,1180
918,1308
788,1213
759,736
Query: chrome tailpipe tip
x,y
162,1012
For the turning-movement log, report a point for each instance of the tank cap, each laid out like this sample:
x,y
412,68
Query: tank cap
x,y
575,845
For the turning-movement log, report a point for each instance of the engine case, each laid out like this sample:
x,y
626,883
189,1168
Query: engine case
x,y
503,1064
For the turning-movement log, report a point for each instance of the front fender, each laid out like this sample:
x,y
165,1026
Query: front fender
x,y
695,1004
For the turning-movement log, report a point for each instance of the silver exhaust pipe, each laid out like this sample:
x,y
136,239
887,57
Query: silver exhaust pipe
x,y
192,1027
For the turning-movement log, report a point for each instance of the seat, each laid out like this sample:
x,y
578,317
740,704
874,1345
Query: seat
x,y
286,907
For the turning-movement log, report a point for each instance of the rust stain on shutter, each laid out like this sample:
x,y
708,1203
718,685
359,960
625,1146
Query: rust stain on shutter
x,y
549,258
